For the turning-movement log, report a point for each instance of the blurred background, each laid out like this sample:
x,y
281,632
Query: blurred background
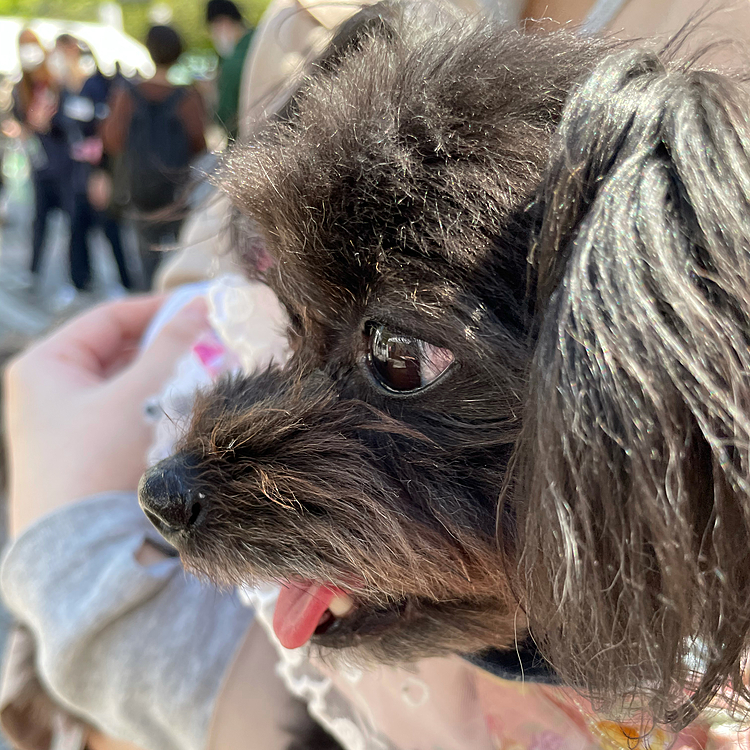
x,y
108,50
113,32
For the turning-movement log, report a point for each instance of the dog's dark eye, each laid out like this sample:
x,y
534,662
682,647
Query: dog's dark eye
x,y
402,363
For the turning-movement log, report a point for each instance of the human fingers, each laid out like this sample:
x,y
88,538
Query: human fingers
x,y
92,341
148,372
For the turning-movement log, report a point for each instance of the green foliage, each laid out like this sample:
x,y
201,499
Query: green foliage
x,y
188,15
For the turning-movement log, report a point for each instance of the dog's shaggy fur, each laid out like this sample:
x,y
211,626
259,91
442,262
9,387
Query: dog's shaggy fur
x,y
636,516
397,195
395,202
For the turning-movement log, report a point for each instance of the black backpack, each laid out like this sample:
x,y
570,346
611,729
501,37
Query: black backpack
x,y
157,156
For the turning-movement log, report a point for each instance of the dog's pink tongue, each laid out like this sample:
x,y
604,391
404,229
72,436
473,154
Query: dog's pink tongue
x,y
299,608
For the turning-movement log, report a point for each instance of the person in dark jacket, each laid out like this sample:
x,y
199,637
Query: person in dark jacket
x,y
154,228
88,109
37,100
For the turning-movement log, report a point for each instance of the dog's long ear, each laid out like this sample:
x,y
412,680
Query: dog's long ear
x,y
637,529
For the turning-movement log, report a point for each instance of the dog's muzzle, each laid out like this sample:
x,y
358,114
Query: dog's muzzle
x,y
167,498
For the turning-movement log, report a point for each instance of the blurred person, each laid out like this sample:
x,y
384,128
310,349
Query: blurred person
x,y
93,188
37,107
72,140
231,39
156,130
67,63
69,72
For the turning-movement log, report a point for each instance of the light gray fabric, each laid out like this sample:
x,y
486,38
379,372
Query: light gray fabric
x,y
138,651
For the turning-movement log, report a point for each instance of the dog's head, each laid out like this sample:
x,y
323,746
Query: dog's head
x,y
366,474
394,202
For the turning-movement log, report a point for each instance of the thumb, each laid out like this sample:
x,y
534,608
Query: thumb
x,y
148,373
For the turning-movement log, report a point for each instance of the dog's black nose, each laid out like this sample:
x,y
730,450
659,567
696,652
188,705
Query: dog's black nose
x,y
167,496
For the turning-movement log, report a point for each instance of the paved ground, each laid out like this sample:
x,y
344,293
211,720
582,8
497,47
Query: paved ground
x,y
27,309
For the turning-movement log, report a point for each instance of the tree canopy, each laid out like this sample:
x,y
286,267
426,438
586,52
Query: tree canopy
x,y
188,15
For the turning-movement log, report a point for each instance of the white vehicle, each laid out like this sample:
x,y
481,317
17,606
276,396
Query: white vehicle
x,y
108,44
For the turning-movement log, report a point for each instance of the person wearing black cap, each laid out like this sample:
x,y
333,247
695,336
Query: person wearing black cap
x,y
231,39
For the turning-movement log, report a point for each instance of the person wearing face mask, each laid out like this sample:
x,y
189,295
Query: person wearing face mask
x,y
66,64
92,184
231,40
36,106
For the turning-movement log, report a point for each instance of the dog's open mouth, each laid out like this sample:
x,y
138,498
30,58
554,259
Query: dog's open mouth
x,y
306,608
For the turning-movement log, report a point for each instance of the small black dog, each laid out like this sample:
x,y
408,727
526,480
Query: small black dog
x,y
394,202
384,473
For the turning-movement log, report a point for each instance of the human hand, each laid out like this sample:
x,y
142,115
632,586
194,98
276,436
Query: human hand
x,y
74,404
